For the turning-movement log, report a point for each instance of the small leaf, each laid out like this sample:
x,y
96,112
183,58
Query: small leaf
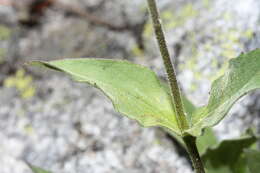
x,y
134,90
206,140
253,160
227,156
36,169
242,77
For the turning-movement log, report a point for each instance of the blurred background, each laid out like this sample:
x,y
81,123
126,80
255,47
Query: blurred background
x,y
67,127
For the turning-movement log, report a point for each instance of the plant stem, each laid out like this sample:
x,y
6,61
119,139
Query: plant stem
x,y
190,141
175,91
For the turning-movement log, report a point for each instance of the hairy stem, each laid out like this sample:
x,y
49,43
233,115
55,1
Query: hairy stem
x,y
175,91
190,141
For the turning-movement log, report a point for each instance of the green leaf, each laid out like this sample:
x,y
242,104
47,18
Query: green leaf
x,y
227,156
134,90
36,169
206,140
242,76
253,160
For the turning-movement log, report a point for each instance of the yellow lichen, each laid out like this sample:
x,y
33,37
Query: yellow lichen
x,y
193,87
248,34
227,16
188,11
167,15
206,3
148,30
22,82
2,54
136,51
29,129
4,32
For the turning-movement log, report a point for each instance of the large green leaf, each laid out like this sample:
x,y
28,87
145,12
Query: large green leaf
x,y
36,169
242,76
134,90
227,156
253,160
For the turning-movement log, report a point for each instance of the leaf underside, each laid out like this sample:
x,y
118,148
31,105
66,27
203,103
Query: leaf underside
x,y
242,76
134,90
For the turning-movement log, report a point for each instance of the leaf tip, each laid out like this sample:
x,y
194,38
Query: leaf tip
x,y
34,63
36,169
42,64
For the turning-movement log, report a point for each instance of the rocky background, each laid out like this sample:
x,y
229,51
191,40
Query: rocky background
x,y
66,127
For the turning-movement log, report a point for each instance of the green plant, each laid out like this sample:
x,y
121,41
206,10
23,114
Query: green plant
x,y
136,92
